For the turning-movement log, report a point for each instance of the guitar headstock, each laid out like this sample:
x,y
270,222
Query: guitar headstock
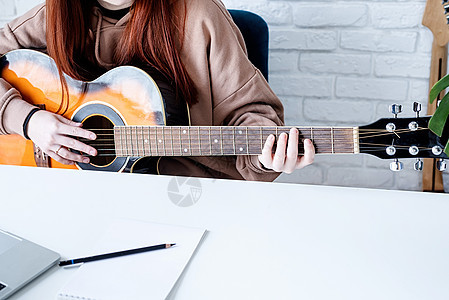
x,y
434,18
394,138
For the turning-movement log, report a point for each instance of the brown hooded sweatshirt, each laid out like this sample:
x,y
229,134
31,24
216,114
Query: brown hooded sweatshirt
x,y
230,90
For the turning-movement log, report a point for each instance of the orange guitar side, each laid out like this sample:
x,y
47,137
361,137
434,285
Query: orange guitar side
x,y
127,92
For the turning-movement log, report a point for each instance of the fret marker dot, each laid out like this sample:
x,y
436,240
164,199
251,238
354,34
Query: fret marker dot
x,y
184,131
215,141
146,141
240,132
241,149
160,141
185,150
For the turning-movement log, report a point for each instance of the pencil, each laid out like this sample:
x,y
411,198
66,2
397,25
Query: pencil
x,y
113,254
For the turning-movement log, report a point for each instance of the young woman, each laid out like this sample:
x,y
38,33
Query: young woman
x,y
192,46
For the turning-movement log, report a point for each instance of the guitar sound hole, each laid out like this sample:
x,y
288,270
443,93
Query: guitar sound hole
x,y
104,129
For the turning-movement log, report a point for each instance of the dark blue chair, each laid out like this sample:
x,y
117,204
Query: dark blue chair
x,y
255,33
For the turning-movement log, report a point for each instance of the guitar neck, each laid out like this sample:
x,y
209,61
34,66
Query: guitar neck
x,y
137,141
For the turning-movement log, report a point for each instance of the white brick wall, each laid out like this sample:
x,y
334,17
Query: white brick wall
x,y
338,63
343,63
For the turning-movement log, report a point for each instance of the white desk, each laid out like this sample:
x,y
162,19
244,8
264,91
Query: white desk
x,y
265,241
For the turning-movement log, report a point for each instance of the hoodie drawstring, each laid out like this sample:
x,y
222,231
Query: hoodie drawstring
x,y
97,41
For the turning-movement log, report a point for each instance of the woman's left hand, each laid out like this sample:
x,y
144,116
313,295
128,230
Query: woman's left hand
x,y
286,158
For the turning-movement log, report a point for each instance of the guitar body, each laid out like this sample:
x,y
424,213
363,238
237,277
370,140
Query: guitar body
x,y
123,96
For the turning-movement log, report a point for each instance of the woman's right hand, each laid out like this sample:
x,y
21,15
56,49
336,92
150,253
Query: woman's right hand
x,y
55,135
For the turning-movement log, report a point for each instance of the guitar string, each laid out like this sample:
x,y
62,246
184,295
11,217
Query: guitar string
x,y
372,147
317,136
206,128
178,147
368,147
363,145
231,128
337,130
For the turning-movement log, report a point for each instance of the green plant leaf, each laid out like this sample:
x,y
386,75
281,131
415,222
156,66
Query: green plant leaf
x,y
438,120
446,149
438,88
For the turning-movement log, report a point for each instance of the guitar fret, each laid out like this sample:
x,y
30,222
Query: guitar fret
x,y
145,153
247,141
146,141
254,140
174,140
322,140
129,145
153,140
199,141
190,141
343,134
171,142
215,141
125,144
133,142
221,140
210,141
186,150
241,140
137,141
142,147
163,141
144,150
117,141
228,141
332,139
180,140
233,140
158,141
130,137
267,131
179,146
195,141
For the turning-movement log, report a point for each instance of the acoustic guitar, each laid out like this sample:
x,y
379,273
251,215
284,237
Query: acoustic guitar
x,y
124,107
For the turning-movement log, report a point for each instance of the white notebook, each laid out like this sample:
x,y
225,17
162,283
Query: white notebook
x,y
149,275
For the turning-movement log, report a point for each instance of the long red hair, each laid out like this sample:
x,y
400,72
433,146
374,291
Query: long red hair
x,y
153,35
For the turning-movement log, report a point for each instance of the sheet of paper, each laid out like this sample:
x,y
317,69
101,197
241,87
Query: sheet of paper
x,y
149,275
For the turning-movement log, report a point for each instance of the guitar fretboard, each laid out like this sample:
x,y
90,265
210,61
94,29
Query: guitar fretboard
x,y
139,141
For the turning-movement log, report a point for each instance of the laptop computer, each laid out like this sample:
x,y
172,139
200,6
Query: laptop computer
x,y
20,262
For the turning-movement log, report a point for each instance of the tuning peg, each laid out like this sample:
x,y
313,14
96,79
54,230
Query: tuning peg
x,y
417,108
418,166
437,150
396,109
441,165
396,166
446,8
